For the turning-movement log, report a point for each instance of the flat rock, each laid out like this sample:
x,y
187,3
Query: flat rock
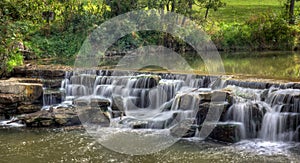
x,y
10,98
60,116
28,108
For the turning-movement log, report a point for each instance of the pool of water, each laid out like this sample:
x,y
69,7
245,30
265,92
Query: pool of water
x,y
274,65
58,145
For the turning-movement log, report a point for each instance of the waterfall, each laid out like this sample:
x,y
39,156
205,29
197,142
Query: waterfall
x,y
250,115
159,101
281,122
274,117
51,97
247,110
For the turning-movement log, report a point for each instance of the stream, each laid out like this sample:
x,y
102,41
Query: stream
x,y
258,122
57,145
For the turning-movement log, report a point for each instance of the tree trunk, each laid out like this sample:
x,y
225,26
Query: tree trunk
x,y
168,6
173,6
190,3
206,13
291,12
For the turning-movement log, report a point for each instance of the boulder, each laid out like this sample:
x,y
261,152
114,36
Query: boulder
x,y
94,116
82,102
226,132
216,107
222,96
65,117
36,119
60,116
18,98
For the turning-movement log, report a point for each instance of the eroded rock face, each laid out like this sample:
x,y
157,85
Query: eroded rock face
x,y
18,98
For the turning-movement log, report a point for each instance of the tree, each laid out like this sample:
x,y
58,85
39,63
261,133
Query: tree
x,y
184,7
289,13
210,4
118,7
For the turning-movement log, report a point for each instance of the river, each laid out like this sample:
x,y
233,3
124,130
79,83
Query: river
x,y
57,145
271,64
19,144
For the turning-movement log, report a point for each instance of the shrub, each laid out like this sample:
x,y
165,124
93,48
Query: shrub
x,y
261,32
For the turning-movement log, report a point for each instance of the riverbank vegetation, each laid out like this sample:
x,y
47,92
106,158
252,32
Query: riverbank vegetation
x,y
57,28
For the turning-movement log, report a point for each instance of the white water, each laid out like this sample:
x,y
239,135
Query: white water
x,y
268,114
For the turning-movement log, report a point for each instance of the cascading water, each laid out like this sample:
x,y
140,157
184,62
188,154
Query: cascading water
x,y
248,109
267,114
282,120
156,107
270,114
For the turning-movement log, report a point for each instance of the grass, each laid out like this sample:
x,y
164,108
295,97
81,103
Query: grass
x,y
240,10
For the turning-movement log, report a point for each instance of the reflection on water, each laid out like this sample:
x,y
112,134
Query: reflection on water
x,y
55,145
278,65
271,65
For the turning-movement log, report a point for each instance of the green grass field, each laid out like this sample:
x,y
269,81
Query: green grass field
x,y
241,10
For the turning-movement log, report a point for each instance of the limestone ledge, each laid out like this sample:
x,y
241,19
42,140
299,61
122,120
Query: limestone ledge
x,y
20,96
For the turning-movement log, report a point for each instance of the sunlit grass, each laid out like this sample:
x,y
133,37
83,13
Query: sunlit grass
x,y
241,10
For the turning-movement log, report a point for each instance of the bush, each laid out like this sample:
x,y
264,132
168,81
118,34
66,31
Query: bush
x,y
270,31
262,32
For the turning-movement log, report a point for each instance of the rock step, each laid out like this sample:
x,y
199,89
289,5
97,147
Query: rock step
x,y
17,97
38,73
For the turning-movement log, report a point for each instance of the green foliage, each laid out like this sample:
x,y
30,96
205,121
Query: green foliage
x,y
15,60
262,32
240,25
270,31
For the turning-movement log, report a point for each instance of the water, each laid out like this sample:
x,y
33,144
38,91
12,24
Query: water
x,y
271,114
281,122
274,118
278,64
57,145
268,120
273,65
